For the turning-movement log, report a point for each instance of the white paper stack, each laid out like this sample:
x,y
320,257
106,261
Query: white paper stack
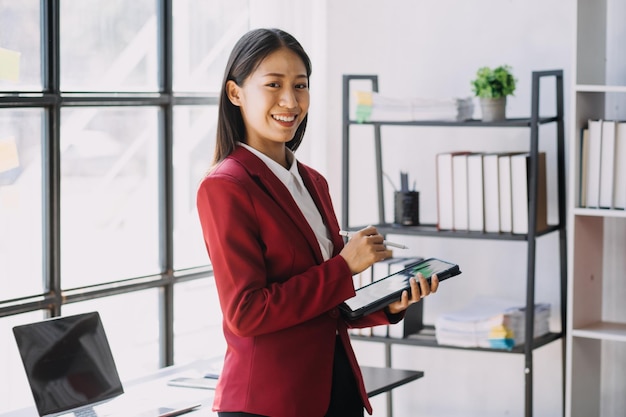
x,y
490,323
372,106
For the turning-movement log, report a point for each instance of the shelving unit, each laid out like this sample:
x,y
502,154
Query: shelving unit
x,y
427,336
596,329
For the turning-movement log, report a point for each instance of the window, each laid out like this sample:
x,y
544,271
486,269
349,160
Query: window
x,y
107,125
109,194
109,45
21,205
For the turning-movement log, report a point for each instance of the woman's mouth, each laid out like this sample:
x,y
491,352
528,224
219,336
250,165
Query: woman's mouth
x,y
284,118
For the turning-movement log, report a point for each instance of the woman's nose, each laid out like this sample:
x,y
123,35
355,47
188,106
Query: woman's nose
x,y
288,99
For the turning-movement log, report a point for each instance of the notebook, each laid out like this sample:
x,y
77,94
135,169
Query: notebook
x,y
380,293
71,371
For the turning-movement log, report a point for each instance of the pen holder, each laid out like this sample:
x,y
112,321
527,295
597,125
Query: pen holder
x,y
407,208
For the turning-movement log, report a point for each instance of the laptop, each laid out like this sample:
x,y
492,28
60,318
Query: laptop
x,y
71,371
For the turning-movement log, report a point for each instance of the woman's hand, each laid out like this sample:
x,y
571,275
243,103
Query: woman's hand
x,y
418,291
364,248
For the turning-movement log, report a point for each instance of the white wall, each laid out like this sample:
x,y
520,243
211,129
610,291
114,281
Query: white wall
x,y
432,48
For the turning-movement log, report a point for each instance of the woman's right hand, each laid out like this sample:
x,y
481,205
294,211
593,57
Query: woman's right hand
x,y
364,248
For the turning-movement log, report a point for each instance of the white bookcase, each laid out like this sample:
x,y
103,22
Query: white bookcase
x,y
596,325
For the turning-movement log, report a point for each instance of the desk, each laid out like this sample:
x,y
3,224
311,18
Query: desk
x,y
377,381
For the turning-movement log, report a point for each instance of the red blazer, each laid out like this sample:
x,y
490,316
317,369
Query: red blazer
x,y
278,297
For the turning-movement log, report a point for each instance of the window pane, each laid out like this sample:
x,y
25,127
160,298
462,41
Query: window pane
x,y
14,390
109,194
20,47
197,322
20,203
204,33
135,343
194,140
108,45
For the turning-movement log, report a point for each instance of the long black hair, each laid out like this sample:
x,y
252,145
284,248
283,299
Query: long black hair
x,y
247,54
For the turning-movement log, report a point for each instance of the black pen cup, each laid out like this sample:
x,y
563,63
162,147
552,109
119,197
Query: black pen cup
x,y
407,208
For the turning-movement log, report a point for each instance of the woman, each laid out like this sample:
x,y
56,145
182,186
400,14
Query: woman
x,y
280,265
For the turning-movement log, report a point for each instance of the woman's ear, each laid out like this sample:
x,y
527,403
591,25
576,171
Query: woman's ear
x,y
233,90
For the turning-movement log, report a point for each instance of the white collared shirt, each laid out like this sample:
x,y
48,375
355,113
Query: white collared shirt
x,y
293,181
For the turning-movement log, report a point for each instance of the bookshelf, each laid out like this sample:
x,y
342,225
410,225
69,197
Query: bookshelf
x,y
596,327
426,338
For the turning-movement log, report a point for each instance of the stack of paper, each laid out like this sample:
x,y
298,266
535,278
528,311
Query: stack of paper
x,y
372,106
490,323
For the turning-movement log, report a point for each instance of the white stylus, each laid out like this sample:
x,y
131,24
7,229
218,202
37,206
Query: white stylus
x,y
385,242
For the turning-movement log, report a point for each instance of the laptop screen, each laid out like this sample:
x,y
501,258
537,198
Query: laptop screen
x,y
68,362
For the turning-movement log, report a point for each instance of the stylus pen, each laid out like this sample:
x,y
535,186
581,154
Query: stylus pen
x,y
385,242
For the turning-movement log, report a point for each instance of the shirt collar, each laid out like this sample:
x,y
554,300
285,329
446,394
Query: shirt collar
x,y
284,175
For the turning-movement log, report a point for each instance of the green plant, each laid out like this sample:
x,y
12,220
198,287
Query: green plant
x,y
494,83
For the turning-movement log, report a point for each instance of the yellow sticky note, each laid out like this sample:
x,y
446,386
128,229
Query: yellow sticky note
x,y
9,158
9,65
364,97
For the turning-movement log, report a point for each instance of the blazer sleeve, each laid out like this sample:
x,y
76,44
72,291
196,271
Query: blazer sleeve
x,y
261,291
375,319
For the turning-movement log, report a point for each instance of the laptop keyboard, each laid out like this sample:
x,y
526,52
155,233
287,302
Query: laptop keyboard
x,y
85,412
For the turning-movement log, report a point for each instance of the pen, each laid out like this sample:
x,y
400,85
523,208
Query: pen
x,y
385,242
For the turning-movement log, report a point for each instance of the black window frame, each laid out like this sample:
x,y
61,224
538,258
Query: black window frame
x,y
51,100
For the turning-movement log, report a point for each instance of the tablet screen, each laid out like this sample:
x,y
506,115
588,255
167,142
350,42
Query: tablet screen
x,y
390,288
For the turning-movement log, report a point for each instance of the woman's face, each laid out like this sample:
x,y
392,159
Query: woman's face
x,y
273,100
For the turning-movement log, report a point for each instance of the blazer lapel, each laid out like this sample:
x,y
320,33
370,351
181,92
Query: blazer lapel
x,y
318,189
280,194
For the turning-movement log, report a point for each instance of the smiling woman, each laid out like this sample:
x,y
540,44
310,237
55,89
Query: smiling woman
x,y
281,267
274,100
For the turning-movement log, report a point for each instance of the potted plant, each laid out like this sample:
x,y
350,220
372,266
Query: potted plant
x,y
492,86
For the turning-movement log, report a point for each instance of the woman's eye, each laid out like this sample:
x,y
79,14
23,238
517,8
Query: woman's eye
x,y
302,86
273,85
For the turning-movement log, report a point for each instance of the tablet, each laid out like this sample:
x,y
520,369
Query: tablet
x,y
380,293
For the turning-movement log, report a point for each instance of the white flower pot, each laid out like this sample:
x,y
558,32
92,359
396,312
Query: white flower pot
x,y
493,109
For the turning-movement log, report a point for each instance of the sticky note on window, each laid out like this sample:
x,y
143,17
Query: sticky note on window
x,y
8,155
9,65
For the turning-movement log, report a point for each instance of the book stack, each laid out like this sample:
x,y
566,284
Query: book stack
x,y
372,106
475,192
602,166
490,323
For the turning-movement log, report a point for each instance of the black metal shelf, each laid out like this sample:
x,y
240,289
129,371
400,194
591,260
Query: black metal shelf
x,y
532,123
432,230
426,338
513,122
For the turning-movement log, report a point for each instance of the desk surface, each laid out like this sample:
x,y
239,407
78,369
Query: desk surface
x,y
377,381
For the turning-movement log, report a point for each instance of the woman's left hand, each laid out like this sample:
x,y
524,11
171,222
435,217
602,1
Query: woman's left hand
x,y
419,290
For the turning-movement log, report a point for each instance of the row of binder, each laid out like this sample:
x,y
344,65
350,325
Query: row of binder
x,y
602,165
488,192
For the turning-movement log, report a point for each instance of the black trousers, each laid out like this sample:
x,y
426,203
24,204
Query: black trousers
x,y
345,400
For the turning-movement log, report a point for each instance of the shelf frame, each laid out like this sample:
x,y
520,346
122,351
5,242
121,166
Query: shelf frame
x,y
602,330
426,338
532,123
431,230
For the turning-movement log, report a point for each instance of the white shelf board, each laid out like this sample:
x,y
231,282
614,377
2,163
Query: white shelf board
x,y
602,330
600,88
580,211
